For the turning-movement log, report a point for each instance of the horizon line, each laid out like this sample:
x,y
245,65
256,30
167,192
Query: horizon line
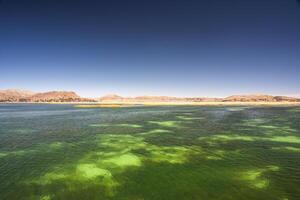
x,y
149,95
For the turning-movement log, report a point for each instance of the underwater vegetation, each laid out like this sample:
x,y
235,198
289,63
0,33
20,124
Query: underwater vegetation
x,y
179,152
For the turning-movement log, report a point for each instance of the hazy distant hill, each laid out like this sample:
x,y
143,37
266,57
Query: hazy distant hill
x,y
259,98
13,95
117,98
247,98
110,97
234,98
53,96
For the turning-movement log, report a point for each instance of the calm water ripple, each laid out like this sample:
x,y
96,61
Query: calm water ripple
x,y
160,153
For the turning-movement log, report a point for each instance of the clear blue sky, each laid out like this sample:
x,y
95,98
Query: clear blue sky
x,y
142,47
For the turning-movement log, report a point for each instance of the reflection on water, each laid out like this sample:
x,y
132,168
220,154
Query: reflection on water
x,y
183,152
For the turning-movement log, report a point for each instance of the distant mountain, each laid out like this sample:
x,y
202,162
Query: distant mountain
x,y
284,98
158,98
14,95
234,98
117,98
53,96
259,98
110,97
249,98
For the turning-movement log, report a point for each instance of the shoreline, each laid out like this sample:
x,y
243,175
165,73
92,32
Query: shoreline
x,y
130,104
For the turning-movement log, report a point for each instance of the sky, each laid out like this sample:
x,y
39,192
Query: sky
x,y
211,48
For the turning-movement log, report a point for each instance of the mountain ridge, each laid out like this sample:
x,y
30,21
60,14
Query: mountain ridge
x,y
12,95
16,95
232,98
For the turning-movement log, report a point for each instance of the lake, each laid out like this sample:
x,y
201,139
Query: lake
x,y
149,153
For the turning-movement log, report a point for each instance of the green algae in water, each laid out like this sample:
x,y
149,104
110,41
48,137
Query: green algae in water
x,y
124,160
3,154
233,137
189,118
286,139
116,125
255,176
182,152
170,124
156,131
92,171
287,148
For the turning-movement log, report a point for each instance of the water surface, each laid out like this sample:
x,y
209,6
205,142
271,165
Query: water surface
x,y
151,153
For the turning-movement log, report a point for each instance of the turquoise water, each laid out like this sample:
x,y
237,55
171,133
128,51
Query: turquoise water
x,y
140,153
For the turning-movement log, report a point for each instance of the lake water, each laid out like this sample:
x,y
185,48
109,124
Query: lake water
x,y
149,153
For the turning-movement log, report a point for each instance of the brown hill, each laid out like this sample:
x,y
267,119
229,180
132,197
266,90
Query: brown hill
x,y
284,98
111,97
117,98
249,98
53,96
203,99
14,95
259,98
157,98
234,98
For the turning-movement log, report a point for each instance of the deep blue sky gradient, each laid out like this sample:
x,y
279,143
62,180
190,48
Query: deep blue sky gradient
x,y
142,47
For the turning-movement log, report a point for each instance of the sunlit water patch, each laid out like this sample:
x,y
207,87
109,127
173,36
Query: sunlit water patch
x,y
173,152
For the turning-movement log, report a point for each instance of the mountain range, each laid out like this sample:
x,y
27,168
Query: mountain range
x,y
15,95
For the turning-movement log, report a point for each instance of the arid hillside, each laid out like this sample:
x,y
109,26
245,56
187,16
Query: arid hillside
x,y
52,96
13,95
234,98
